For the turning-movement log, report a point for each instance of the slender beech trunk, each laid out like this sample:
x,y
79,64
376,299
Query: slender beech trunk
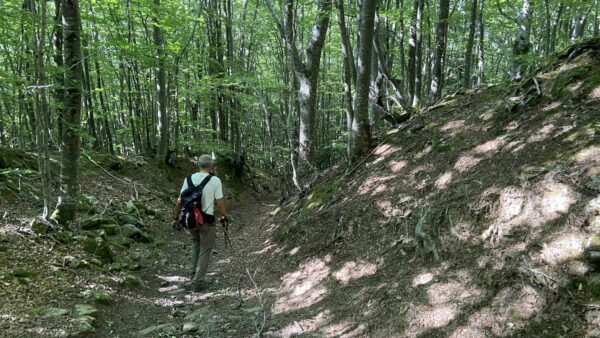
x,y
163,122
348,71
361,129
306,73
481,48
467,82
69,171
441,34
41,104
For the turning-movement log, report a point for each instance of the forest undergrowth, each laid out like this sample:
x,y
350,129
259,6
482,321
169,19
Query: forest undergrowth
x,y
478,217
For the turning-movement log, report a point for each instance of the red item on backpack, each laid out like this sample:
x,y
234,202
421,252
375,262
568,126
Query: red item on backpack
x,y
198,217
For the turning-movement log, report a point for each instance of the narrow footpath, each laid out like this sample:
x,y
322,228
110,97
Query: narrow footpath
x,y
236,305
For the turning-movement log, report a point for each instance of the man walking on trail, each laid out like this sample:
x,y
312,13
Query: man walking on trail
x,y
203,238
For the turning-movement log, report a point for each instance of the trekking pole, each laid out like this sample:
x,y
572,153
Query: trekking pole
x,y
227,239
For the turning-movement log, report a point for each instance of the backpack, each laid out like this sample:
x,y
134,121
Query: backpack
x,y
191,204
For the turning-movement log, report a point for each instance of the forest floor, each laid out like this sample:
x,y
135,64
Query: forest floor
x,y
478,217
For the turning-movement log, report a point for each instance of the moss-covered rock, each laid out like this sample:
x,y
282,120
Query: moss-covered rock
x,y
39,227
133,232
87,204
110,229
593,283
96,222
100,248
129,219
567,77
131,280
97,296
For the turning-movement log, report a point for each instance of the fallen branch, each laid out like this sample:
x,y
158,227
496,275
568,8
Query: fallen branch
x,y
259,295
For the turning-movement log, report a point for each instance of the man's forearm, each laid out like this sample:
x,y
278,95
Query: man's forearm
x,y
221,207
177,209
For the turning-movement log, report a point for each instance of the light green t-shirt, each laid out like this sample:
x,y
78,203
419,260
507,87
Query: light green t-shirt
x,y
213,190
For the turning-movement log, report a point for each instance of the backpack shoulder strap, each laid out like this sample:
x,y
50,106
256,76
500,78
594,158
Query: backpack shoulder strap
x,y
205,181
190,184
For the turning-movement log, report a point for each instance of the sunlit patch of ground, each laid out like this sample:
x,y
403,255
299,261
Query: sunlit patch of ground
x,y
354,270
466,162
443,181
563,248
302,288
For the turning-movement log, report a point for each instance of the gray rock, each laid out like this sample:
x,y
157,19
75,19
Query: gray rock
x,y
197,314
190,327
157,330
96,222
99,247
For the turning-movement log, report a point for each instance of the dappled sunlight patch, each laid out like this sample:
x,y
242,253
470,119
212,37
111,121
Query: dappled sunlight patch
x,y
385,150
167,302
462,230
577,268
336,329
305,325
454,291
168,288
379,189
529,302
588,155
453,126
564,129
354,270
372,182
468,332
542,134
226,260
552,106
443,181
564,248
575,86
556,199
294,251
515,146
490,146
264,250
466,162
423,278
509,310
594,94
424,318
488,115
397,166
302,288
547,201
424,152
173,279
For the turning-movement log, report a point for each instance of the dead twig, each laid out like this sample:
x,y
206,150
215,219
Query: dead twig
x,y
259,327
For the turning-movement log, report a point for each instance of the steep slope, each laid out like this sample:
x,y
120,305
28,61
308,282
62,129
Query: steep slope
x,y
476,218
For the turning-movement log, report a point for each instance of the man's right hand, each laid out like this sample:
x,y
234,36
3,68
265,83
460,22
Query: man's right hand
x,y
224,222
175,224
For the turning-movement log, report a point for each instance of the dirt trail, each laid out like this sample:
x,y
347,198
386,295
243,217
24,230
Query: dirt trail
x,y
230,307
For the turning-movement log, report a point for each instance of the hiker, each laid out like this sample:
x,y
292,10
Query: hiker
x,y
203,236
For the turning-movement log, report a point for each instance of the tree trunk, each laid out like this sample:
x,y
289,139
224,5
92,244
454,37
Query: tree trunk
x,y
41,104
58,90
441,35
361,130
348,71
69,171
306,73
481,48
163,122
467,82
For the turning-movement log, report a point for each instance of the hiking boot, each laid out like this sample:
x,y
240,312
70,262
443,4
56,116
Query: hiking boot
x,y
197,286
